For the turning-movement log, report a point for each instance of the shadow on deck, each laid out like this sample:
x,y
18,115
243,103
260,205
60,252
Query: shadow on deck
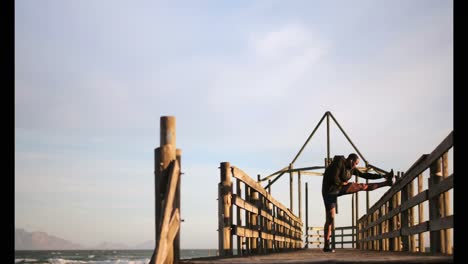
x,y
340,256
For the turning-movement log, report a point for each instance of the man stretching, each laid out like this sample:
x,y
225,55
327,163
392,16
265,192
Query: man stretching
x,y
335,183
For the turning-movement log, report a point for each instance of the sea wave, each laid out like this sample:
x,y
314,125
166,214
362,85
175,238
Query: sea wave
x,y
24,260
113,261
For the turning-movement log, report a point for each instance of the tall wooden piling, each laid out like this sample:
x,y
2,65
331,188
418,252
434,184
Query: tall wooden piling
x,y
225,211
164,155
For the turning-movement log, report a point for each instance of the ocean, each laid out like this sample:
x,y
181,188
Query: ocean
x,y
99,256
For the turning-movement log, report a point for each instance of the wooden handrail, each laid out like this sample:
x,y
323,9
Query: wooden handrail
x,y
371,233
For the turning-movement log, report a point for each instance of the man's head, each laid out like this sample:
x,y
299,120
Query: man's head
x,y
352,161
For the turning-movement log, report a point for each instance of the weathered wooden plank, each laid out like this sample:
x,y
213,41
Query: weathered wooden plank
x,y
241,175
441,187
266,236
174,225
392,234
391,214
311,173
417,199
245,232
236,200
315,228
377,222
266,215
416,229
441,223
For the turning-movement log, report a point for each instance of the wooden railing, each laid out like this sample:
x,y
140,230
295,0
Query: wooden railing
x,y
389,223
262,224
345,234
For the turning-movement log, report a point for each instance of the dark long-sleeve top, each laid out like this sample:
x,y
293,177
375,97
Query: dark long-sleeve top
x,y
336,174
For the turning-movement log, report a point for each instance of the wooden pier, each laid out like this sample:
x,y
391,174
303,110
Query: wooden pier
x,y
346,255
254,227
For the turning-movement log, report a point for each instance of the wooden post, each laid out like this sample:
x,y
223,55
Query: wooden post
x,y
270,227
367,192
380,227
307,214
177,205
405,217
247,220
356,215
167,153
225,211
291,188
421,244
435,206
281,228
391,223
299,193
385,227
367,198
157,192
398,222
353,223
447,211
412,240
239,219
254,221
371,230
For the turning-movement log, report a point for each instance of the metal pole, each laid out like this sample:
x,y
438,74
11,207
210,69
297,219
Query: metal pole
x,y
344,133
307,141
328,137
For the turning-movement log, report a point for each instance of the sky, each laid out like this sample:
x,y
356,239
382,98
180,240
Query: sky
x,y
247,82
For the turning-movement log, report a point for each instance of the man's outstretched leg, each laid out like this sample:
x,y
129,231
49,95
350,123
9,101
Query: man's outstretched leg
x,y
357,187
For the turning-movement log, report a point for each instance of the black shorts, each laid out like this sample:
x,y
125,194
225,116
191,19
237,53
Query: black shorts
x,y
330,199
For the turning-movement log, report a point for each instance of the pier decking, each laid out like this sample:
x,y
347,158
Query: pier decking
x,y
340,256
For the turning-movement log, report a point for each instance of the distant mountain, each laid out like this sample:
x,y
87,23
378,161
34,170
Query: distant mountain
x,y
25,240
109,245
145,245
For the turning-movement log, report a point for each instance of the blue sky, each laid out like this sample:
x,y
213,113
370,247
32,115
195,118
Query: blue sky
x,y
247,82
